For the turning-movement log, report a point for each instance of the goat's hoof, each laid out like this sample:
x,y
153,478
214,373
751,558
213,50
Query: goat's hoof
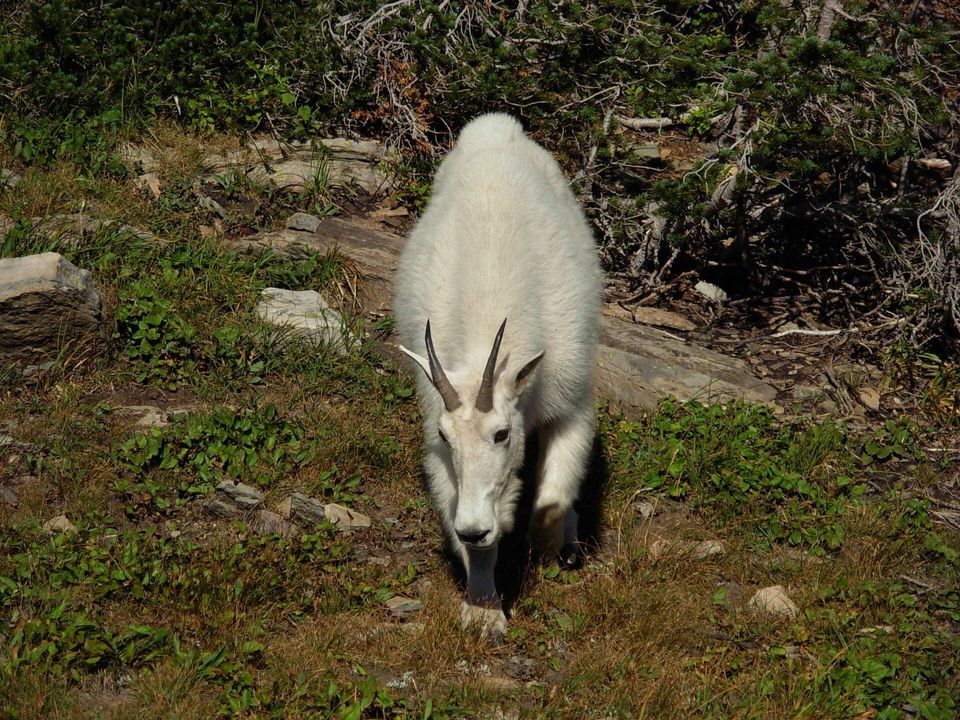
x,y
491,621
570,556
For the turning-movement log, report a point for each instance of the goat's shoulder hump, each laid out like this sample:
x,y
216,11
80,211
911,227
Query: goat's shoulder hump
x,y
490,130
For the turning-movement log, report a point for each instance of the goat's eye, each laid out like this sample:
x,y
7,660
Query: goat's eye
x,y
501,435
443,437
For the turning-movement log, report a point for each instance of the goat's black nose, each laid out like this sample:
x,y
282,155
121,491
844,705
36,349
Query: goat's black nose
x,y
473,537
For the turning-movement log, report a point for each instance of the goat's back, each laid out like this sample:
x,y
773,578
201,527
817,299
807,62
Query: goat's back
x,y
504,237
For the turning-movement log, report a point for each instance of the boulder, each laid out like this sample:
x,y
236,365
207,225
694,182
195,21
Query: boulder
x,y
640,365
305,314
298,166
47,304
8,496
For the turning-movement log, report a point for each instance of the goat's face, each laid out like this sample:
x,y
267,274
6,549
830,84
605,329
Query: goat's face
x,y
485,450
482,438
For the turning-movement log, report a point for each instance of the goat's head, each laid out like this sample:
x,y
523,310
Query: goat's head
x,y
480,432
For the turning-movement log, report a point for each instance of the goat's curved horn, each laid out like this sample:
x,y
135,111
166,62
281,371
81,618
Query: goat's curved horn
x,y
451,400
485,396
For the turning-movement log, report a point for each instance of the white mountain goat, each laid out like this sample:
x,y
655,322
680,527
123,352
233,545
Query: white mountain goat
x,y
500,281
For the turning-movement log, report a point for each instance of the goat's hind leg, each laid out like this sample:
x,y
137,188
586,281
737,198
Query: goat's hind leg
x,y
565,448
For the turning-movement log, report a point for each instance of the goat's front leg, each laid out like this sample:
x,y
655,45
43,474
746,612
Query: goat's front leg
x,y
483,607
564,453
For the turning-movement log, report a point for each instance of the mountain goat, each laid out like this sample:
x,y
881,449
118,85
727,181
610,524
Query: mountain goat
x,y
497,300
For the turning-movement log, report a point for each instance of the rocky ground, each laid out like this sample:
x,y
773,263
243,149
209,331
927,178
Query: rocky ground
x,y
210,499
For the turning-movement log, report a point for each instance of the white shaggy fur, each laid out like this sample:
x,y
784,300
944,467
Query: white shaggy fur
x,y
502,237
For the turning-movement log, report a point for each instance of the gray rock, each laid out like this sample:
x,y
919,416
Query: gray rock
x,y
10,443
303,222
306,314
711,291
208,203
310,511
400,606
773,601
645,151
646,509
302,509
58,524
345,518
222,507
298,166
243,496
47,304
639,365
707,548
9,179
234,499
8,496
147,416
806,392
685,548
268,522
732,594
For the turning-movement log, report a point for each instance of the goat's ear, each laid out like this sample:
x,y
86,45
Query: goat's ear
x,y
419,359
526,373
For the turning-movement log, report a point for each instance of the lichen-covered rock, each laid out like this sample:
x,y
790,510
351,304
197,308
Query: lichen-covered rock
x,y
47,304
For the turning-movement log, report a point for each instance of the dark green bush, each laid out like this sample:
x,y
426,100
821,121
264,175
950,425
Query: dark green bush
x,y
797,186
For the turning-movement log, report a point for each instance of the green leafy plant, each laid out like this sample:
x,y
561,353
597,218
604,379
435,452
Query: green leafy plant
x,y
895,439
202,450
157,340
